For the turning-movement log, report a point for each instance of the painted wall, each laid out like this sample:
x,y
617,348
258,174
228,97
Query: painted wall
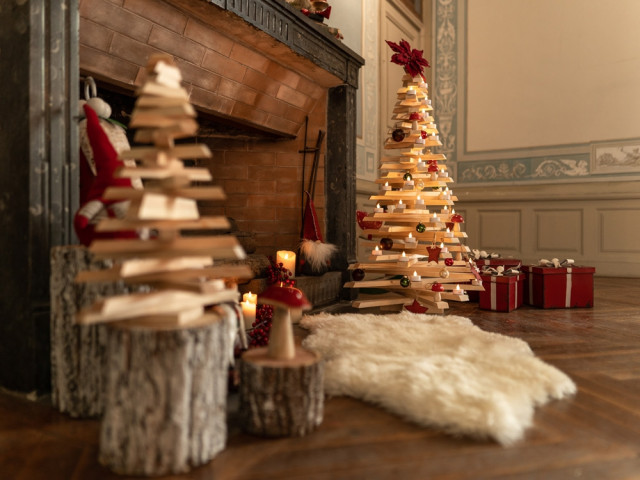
x,y
538,106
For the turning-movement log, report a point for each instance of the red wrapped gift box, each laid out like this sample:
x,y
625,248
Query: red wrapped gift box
x,y
496,262
502,293
550,287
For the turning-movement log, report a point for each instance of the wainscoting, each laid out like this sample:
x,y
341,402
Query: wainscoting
x,y
595,223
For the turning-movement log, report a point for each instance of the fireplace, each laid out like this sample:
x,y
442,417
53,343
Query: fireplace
x,y
260,124
261,75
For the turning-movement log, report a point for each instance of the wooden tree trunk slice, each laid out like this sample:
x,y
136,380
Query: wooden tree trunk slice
x,y
165,397
77,351
281,397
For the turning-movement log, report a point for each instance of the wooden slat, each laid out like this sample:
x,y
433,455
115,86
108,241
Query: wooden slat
x,y
236,272
197,193
222,246
195,150
203,223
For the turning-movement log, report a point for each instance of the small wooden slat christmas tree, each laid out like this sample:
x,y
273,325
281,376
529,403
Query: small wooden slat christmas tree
x,y
168,349
179,268
418,257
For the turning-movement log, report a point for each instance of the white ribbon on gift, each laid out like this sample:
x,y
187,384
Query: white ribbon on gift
x,y
567,296
493,291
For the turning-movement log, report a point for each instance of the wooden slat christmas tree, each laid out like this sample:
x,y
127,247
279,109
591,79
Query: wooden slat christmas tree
x,y
168,349
179,268
418,258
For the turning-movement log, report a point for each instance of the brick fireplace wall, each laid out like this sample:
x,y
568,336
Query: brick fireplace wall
x,y
235,72
262,183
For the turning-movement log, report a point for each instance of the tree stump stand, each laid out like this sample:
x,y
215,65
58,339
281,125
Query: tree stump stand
x,y
281,397
165,396
77,351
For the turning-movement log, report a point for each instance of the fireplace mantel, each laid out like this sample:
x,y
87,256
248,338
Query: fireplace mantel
x,y
302,35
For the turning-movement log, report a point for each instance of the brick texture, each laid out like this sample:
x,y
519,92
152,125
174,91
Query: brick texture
x,y
227,74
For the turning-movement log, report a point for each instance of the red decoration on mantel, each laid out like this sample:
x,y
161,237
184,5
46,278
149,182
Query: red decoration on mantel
x,y
410,59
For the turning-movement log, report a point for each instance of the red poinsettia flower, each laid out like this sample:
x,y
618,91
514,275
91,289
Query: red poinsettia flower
x,y
410,59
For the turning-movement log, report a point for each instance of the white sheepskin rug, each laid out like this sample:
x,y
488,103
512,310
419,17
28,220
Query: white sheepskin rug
x,y
437,371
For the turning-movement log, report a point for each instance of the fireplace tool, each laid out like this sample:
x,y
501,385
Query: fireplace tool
x,y
314,255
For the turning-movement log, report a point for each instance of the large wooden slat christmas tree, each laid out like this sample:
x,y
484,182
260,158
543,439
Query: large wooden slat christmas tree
x,y
418,258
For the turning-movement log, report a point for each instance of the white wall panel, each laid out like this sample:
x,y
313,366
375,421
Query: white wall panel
x,y
620,230
500,230
559,231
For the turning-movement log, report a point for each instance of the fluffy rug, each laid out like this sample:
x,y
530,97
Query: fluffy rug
x,y
437,371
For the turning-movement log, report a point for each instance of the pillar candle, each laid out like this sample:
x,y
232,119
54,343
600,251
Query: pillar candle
x,y
248,313
288,260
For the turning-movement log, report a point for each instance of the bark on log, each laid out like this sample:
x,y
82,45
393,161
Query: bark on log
x,y
165,397
281,397
77,351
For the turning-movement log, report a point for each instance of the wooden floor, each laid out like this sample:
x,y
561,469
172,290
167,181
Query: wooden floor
x,y
595,435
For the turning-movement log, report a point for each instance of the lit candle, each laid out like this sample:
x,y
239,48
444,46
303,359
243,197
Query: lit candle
x,y
458,290
400,205
415,277
386,187
248,313
443,249
391,208
404,258
419,201
410,240
250,297
453,210
378,209
409,183
420,140
445,210
376,251
434,219
443,173
448,233
288,260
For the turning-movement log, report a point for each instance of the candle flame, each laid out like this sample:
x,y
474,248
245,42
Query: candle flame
x,y
386,184
448,231
400,202
378,205
441,245
404,254
453,210
418,197
415,274
377,248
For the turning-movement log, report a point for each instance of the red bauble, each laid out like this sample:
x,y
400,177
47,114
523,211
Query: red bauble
x,y
386,243
397,135
448,262
358,274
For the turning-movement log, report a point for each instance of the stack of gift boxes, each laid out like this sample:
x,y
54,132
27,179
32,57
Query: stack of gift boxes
x,y
550,284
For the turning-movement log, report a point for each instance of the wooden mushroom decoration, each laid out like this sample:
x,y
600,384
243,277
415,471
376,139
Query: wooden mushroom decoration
x,y
283,300
281,385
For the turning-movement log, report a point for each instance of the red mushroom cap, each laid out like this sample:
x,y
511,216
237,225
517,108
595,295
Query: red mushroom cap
x,y
287,297
457,218
415,116
433,168
437,287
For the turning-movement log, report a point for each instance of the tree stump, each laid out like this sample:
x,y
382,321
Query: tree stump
x,y
165,396
281,397
77,351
